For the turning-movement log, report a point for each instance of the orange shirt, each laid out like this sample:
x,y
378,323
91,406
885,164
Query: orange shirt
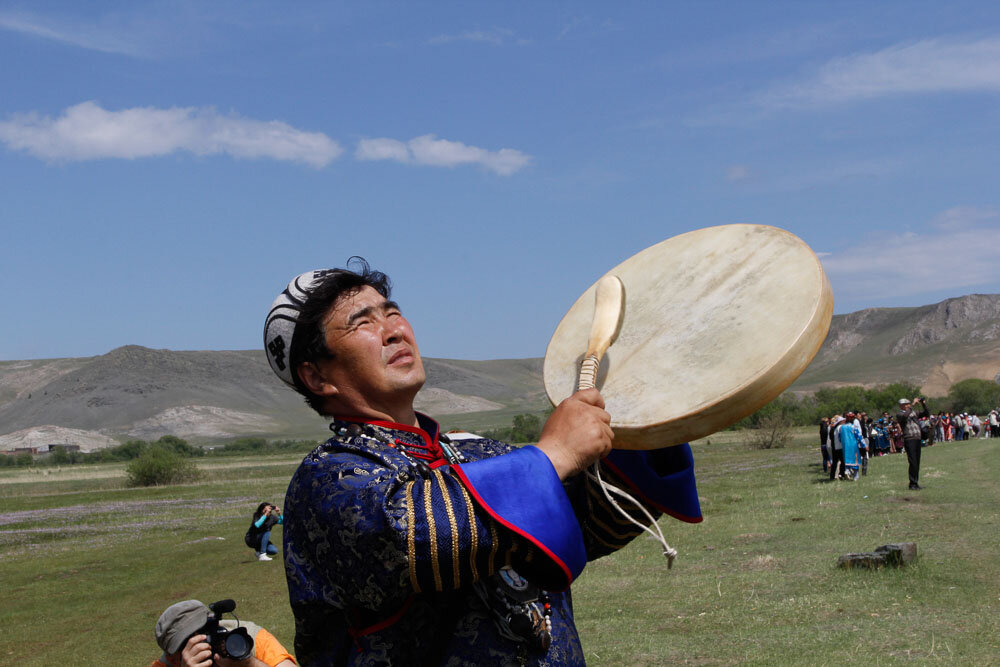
x,y
266,648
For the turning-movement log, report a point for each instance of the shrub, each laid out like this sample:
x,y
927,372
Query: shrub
x,y
179,446
157,466
524,428
129,450
772,432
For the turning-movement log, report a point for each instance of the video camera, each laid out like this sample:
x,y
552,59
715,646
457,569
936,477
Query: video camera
x,y
236,644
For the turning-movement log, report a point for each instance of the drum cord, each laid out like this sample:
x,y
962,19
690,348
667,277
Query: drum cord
x,y
588,380
594,474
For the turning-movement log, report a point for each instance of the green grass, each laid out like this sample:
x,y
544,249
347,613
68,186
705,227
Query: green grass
x,y
88,564
756,581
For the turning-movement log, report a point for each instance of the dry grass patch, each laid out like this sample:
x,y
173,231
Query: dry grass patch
x,y
763,562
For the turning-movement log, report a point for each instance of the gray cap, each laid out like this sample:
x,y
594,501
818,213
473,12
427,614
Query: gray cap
x,y
178,623
904,401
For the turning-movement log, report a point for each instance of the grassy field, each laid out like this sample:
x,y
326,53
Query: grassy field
x,y
88,564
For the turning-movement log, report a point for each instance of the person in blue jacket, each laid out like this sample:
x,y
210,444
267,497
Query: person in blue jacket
x,y
850,437
258,536
403,545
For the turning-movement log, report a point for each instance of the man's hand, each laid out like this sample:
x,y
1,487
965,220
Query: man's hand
x,y
197,652
577,434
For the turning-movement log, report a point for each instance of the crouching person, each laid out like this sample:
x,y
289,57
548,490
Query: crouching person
x,y
192,635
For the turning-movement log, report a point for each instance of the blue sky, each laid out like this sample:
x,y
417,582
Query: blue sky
x,y
167,167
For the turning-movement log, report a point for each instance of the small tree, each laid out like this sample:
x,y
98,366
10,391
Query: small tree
x,y
179,446
157,466
129,450
526,428
772,432
973,395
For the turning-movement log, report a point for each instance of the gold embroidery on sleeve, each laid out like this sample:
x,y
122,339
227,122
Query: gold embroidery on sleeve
x,y
432,529
593,534
612,534
474,530
493,547
411,538
454,528
594,494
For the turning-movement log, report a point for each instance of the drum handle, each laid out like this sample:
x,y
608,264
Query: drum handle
x,y
608,310
588,372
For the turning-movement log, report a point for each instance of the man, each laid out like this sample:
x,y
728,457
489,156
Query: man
x,y
824,434
910,425
836,448
938,422
977,426
405,546
179,633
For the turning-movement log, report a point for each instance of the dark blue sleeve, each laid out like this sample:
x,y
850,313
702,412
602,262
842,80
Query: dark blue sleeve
x,y
662,480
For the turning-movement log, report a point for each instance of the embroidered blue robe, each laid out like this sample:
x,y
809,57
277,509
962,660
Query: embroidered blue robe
x,y
850,436
384,541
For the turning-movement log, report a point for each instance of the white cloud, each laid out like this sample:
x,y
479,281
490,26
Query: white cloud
x,y
494,36
961,254
382,149
430,151
964,217
107,35
929,66
88,132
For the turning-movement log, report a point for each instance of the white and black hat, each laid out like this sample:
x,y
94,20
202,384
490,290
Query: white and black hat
x,y
279,328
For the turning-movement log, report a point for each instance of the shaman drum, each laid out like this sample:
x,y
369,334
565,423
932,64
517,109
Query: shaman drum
x,y
716,323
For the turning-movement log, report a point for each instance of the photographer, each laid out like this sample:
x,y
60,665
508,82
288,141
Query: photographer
x,y
258,536
909,422
181,633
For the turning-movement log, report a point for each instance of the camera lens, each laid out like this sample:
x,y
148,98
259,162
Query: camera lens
x,y
238,645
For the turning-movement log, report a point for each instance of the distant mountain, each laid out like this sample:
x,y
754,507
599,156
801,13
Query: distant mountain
x,y
136,392
934,346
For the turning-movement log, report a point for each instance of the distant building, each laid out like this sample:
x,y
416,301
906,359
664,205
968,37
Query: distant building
x,y
68,448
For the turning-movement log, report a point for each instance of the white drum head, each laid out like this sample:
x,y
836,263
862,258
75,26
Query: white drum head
x,y
717,323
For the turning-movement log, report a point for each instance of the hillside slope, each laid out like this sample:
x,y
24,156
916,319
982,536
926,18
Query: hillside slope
x,y
136,392
934,346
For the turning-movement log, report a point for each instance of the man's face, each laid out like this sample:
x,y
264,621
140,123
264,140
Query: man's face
x,y
376,361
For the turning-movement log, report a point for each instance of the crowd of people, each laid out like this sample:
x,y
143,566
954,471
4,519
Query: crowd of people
x,y
847,441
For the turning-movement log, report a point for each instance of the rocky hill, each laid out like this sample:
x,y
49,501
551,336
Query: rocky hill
x,y
934,346
136,392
